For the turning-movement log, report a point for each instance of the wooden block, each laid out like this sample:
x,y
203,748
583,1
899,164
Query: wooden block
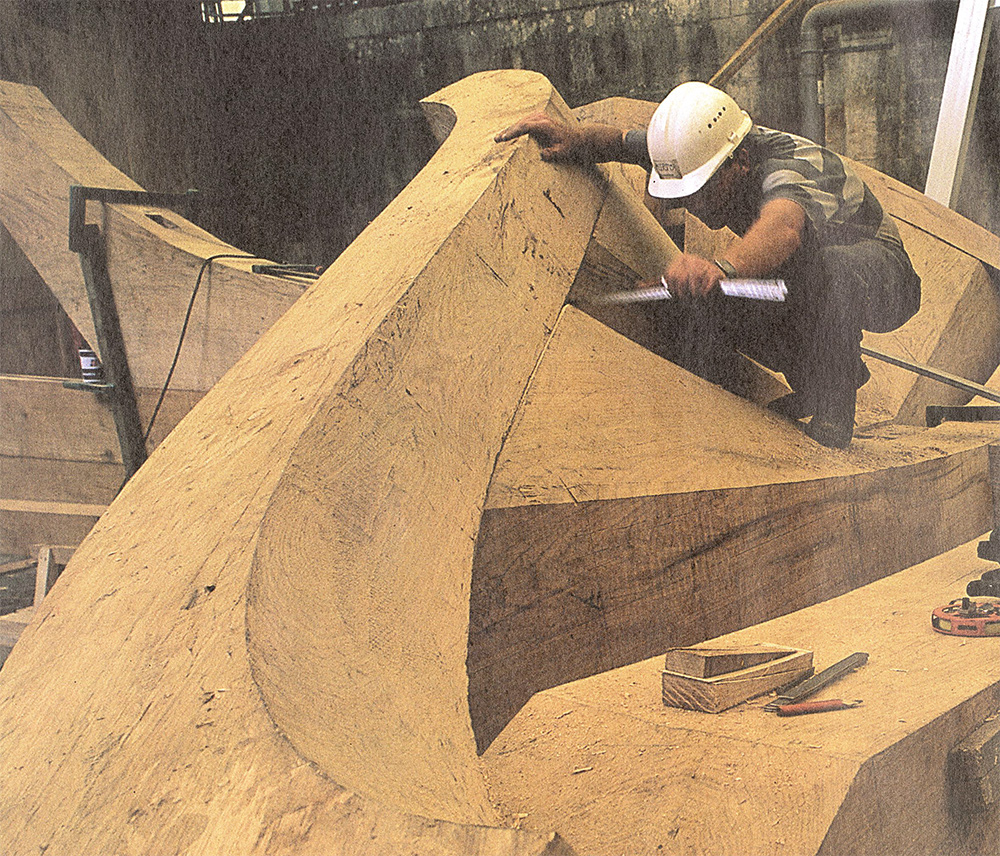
x,y
472,262
974,769
716,694
706,662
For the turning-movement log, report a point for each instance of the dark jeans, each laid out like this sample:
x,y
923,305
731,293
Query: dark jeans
x,y
814,338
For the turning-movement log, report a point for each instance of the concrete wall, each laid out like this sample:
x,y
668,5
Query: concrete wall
x,y
300,129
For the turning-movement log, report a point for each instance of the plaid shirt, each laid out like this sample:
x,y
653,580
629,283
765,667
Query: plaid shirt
x,y
838,204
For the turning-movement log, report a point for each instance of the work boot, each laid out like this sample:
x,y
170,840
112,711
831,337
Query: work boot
x,y
794,405
806,402
833,424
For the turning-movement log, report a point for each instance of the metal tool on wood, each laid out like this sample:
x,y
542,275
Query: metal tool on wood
x,y
934,374
88,241
814,684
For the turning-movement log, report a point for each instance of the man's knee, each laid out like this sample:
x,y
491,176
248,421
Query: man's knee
x,y
877,280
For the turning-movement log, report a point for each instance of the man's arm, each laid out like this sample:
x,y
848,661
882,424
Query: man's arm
x,y
770,241
571,143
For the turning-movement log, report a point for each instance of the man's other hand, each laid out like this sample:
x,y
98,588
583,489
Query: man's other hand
x,y
692,276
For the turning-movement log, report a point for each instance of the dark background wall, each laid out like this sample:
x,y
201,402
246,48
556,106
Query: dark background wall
x,y
299,129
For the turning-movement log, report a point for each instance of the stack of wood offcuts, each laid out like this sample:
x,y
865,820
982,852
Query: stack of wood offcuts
x,y
714,679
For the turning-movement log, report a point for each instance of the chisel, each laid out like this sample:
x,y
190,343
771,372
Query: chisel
x,y
815,706
817,682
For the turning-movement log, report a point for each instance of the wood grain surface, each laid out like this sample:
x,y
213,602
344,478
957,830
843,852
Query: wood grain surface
x,y
622,773
431,489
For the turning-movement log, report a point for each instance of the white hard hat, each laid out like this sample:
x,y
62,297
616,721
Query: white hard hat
x,y
695,128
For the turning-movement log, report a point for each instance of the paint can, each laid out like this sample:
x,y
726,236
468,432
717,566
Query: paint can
x,y
90,366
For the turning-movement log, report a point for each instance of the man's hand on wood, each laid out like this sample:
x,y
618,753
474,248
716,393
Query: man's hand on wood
x,y
558,141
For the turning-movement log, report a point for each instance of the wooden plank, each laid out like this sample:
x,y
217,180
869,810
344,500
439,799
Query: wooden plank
x,y
17,565
38,479
24,525
67,508
700,661
46,573
749,48
61,553
721,692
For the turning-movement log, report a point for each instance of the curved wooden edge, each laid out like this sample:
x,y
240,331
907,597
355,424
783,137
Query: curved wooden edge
x,y
324,495
366,610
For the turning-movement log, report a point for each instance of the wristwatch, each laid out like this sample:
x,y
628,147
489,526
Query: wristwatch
x,y
726,267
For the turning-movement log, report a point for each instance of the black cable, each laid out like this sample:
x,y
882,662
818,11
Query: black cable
x,y
180,341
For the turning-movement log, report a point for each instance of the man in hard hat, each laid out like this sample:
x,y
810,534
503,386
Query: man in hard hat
x,y
801,214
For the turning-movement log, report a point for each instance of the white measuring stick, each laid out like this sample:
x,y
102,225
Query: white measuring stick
x,y
752,289
755,289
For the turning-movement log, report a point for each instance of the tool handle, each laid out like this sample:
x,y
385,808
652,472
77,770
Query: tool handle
x,y
813,707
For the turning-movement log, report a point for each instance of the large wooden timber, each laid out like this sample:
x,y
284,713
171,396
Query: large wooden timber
x,y
154,257
657,496
289,629
154,254
384,393
617,771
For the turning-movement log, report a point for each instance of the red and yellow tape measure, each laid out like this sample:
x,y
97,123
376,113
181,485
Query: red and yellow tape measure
x,y
968,617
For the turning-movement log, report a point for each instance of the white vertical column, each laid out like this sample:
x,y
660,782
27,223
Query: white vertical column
x,y
958,101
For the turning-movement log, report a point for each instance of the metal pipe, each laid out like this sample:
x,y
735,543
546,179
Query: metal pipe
x,y
811,51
